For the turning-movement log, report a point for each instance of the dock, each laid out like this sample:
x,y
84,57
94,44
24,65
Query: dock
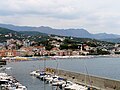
x,y
99,83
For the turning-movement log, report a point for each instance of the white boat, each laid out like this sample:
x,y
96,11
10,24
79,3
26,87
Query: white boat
x,y
51,78
21,88
6,85
58,82
43,76
48,78
68,83
35,73
13,87
72,86
3,82
7,82
75,87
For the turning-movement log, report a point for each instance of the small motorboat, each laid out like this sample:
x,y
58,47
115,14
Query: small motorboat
x,y
75,87
35,73
58,81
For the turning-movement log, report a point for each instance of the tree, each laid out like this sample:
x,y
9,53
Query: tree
x,y
64,46
100,52
49,47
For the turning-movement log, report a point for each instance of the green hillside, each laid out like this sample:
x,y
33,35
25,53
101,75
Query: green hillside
x,y
6,34
6,31
32,33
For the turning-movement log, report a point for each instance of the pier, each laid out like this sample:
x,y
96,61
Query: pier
x,y
99,83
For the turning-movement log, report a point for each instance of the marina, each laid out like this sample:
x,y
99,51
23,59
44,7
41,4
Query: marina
x,y
8,82
57,81
59,45
96,66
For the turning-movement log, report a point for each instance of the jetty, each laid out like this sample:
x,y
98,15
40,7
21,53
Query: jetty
x,y
98,83
58,82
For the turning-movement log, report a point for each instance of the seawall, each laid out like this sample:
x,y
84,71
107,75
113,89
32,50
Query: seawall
x,y
93,81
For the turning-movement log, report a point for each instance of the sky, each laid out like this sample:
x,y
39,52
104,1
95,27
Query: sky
x,y
96,16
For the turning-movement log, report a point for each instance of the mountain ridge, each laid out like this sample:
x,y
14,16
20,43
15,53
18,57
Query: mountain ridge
x,y
81,33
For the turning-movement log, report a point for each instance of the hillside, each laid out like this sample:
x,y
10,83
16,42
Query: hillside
x,y
6,34
6,31
80,33
116,40
106,36
32,33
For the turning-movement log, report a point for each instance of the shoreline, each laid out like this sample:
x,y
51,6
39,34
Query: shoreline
x,y
19,58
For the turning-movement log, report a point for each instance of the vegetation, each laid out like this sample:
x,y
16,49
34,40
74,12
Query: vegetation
x,y
100,52
38,39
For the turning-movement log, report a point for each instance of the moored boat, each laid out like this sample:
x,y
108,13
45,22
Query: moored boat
x,y
8,82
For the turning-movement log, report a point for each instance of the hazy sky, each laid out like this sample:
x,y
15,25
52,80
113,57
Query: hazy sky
x,y
93,15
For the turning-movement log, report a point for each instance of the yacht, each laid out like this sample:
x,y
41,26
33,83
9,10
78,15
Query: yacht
x,y
8,82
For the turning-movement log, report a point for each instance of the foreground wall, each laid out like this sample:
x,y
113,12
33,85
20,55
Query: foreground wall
x,y
101,83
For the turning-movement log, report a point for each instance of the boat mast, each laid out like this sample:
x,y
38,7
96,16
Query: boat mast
x,y
44,71
87,74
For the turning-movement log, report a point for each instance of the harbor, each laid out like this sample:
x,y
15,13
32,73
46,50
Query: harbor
x,y
66,80
7,82
59,45
96,67
96,83
57,81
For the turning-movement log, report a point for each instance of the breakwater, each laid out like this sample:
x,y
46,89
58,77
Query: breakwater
x,y
93,81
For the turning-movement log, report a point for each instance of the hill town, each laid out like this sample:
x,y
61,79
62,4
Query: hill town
x,y
30,43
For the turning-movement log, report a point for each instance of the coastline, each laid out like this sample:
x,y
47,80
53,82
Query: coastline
x,y
17,58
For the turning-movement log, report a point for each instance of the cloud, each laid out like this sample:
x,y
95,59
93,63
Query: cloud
x,y
49,8
94,15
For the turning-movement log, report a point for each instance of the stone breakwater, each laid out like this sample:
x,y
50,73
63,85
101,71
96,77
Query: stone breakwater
x,y
99,83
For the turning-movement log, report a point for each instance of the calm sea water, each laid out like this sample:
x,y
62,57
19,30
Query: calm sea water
x,y
102,67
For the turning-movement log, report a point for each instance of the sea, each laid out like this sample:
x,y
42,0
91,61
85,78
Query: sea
x,y
101,67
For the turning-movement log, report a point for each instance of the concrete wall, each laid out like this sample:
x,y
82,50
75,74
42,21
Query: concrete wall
x,y
101,83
